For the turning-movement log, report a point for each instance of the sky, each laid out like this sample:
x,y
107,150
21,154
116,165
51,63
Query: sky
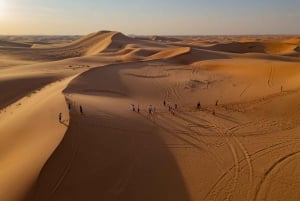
x,y
155,17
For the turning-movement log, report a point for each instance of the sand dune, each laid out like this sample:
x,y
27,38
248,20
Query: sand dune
x,y
164,39
13,44
258,47
30,132
196,55
92,44
242,144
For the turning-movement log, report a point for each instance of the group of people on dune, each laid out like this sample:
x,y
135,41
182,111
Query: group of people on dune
x,y
60,115
171,108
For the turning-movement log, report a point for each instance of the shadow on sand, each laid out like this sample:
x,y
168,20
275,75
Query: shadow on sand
x,y
99,161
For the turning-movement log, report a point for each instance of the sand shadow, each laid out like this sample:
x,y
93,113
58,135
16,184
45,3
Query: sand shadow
x,y
110,160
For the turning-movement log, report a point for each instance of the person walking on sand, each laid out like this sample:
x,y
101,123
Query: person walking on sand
x,y
133,109
60,117
165,103
138,109
153,109
81,110
173,111
199,105
150,109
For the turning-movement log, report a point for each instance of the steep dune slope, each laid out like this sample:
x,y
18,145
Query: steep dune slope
x,y
92,44
30,132
109,153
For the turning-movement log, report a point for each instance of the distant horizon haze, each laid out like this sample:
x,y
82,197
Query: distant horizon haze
x,y
138,17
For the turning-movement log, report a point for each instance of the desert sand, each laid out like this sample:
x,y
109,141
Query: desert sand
x,y
241,144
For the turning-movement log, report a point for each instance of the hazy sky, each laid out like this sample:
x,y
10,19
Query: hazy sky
x,y
166,17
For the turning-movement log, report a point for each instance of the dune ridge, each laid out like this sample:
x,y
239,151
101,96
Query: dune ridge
x,y
27,146
13,44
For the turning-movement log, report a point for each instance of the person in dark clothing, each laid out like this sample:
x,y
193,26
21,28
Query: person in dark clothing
x,y
150,109
198,105
81,110
60,117
69,106
138,110
165,103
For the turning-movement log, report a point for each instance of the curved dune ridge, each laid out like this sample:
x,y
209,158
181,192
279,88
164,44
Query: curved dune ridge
x,y
30,132
92,44
256,47
196,55
99,42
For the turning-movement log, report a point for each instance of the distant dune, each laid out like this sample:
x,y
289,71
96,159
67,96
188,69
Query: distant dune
x,y
13,44
257,47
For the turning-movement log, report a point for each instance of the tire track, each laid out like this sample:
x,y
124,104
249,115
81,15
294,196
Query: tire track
x,y
65,171
262,152
245,153
245,90
270,77
232,187
270,170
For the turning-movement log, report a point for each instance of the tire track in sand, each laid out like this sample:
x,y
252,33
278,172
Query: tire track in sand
x,y
270,170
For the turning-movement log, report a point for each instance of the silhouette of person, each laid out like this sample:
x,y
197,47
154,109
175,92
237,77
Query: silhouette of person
x,y
60,117
81,110
198,105
150,109
165,103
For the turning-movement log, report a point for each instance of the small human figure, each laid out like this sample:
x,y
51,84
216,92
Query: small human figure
x,y
217,102
138,109
198,105
132,107
60,117
172,111
165,103
69,106
153,109
150,109
81,110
